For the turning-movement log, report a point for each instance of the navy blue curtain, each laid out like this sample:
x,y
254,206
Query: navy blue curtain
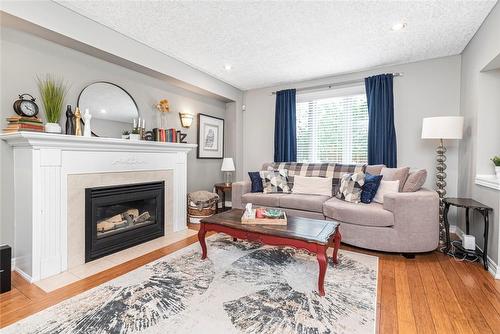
x,y
285,132
382,147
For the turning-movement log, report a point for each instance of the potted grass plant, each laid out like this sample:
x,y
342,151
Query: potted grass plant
x,y
53,92
496,162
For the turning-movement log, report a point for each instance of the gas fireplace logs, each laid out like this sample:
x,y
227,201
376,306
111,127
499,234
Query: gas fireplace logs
x,y
130,217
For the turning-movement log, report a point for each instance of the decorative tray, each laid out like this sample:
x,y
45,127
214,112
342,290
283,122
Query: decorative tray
x,y
263,216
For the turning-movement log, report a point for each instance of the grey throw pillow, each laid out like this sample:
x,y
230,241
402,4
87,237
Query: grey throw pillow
x,y
415,180
351,187
395,174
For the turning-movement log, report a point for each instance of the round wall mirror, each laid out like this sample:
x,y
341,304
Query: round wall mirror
x,y
112,108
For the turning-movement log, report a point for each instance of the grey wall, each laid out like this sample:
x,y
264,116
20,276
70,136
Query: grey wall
x,y
480,105
23,56
427,88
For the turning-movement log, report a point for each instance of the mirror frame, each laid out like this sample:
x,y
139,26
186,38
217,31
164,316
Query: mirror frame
x,y
110,83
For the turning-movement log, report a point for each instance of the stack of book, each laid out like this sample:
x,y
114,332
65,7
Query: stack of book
x,y
20,123
166,135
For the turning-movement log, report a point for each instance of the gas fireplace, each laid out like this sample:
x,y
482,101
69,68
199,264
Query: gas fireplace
x,y
119,217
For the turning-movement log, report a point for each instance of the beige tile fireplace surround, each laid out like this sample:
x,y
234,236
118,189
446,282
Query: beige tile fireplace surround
x,y
51,174
76,204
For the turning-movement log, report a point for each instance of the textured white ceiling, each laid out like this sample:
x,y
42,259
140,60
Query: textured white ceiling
x,y
275,42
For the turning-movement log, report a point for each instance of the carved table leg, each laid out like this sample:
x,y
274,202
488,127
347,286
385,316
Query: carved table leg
x,y
336,245
321,256
201,238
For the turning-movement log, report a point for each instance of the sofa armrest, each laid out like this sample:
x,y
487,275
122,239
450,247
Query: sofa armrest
x,y
414,211
239,189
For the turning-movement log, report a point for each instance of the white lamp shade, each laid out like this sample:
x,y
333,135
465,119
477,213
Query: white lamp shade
x,y
227,165
449,127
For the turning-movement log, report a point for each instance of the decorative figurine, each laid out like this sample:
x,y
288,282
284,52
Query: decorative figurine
x,y
78,122
87,132
70,121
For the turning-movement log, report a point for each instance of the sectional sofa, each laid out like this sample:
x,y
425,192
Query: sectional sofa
x,y
407,222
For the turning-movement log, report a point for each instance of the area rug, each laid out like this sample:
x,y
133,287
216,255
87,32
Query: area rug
x,y
241,288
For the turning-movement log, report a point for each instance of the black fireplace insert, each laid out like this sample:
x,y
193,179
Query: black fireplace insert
x,y
118,217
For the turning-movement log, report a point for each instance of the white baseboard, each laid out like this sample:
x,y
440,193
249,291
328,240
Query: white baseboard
x,y
24,275
493,268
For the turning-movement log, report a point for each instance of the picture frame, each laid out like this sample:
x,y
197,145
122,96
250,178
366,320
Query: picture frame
x,y
210,137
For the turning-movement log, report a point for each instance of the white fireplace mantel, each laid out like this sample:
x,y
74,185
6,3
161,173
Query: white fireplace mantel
x,y
42,164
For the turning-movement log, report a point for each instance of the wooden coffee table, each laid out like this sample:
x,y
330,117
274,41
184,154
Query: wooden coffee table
x,y
312,235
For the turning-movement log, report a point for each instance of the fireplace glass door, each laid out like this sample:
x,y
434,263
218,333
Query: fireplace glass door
x,y
119,217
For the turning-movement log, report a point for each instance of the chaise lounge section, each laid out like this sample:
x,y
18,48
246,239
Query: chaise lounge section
x,y
407,222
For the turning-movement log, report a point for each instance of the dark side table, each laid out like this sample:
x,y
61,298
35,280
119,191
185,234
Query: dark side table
x,y
222,188
468,203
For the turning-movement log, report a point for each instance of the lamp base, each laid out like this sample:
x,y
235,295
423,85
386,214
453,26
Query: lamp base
x,y
228,178
441,187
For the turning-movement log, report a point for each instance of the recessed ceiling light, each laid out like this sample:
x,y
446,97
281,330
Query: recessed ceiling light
x,y
228,67
103,111
399,26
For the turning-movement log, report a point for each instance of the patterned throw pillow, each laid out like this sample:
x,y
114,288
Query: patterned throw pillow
x,y
351,186
275,181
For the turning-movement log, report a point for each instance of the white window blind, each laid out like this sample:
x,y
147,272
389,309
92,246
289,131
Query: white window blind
x,y
333,128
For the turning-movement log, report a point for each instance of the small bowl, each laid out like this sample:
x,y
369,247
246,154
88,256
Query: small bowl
x,y
273,213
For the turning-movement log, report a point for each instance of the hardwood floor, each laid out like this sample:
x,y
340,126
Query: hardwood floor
x,y
432,293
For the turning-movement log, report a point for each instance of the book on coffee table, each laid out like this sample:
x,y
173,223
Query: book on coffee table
x,y
263,216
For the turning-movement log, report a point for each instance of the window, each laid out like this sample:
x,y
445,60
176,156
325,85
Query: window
x,y
332,126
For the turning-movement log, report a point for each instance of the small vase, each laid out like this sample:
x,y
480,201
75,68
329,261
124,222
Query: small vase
x,y
125,136
135,136
497,171
52,128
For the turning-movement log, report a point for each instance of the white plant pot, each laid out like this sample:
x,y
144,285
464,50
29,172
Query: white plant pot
x,y
125,136
497,171
135,136
52,128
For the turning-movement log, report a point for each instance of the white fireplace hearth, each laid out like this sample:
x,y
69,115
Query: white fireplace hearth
x,y
51,173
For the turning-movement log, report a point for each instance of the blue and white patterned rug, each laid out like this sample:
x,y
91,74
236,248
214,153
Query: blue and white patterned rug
x,y
241,288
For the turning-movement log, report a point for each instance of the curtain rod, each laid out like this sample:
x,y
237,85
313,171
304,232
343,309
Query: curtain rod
x,y
342,83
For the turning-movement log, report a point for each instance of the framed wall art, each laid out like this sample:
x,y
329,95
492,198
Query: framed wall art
x,y
210,137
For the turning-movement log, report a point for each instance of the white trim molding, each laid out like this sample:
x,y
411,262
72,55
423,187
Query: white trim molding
x,y
493,268
490,181
42,164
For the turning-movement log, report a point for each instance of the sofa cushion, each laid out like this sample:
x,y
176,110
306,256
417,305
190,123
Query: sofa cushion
x,y
303,202
393,174
374,169
275,181
372,182
256,180
372,214
312,185
271,200
351,187
415,180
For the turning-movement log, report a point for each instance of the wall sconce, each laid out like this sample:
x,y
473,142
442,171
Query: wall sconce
x,y
186,119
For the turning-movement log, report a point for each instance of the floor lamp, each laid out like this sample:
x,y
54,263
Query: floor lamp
x,y
450,127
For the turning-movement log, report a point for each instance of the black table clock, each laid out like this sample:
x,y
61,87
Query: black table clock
x,y
25,107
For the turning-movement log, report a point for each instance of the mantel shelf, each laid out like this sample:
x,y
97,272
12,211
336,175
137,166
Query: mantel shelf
x,y
490,181
49,140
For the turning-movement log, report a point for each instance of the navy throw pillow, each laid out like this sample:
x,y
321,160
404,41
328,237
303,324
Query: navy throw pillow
x,y
372,182
257,186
